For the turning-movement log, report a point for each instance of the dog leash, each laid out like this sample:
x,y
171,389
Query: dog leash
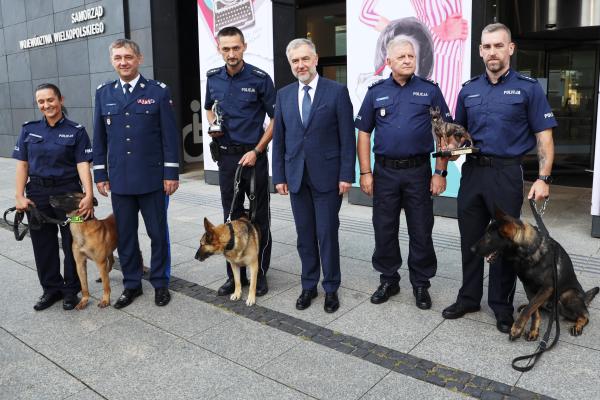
x,y
37,218
543,346
251,195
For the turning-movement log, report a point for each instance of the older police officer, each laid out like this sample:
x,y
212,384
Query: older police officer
x,y
244,95
398,109
136,157
506,113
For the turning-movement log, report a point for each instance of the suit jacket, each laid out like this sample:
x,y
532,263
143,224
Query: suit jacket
x,y
136,142
326,146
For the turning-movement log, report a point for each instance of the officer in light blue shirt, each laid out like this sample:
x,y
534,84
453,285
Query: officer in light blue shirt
x,y
398,109
506,114
136,157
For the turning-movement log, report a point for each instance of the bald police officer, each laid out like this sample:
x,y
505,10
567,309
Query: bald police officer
x,y
506,113
398,109
245,94
136,157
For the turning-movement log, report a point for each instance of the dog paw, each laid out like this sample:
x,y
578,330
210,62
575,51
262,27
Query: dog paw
x,y
104,304
235,296
82,304
532,336
515,333
575,331
250,301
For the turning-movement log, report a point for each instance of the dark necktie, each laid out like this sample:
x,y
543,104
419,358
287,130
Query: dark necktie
x,y
127,93
306,105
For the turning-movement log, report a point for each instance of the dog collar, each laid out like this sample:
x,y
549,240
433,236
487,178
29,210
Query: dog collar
x,y
231,242
76,219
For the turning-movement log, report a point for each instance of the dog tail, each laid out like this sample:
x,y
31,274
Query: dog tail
x,y
590,294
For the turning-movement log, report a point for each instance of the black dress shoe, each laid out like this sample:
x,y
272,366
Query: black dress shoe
x,y
504,322
458,310
162,297
229,286
384,292
422,298
70,301
305,298
127,297
332,303
261,286
47,300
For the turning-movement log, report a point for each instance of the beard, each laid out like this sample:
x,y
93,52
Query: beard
x,y
306,77
495,65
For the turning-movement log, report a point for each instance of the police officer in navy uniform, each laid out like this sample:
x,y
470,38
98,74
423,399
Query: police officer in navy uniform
x,y
54,157
398,109
244,94
136,157
506,113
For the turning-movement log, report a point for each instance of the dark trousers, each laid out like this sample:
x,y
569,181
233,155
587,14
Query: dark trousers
x,y
153,206
317,225
45,242
481,189
227,166
394,190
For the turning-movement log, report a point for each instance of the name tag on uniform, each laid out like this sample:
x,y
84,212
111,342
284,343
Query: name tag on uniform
x,y
146,101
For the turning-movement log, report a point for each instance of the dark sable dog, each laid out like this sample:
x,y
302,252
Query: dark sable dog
x,y
443,130
534,257
95,239
238,242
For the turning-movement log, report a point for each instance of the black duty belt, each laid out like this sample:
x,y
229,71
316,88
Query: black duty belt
x,y
236,148
50,182
402,163
492,161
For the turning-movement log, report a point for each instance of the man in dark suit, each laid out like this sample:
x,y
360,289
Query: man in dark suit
x,y
313,159
136,157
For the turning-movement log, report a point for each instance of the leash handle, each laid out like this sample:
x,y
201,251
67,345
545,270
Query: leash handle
x,y
236,190
17,221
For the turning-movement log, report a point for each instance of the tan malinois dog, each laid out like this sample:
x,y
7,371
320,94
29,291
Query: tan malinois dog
x,y
238,242
93,238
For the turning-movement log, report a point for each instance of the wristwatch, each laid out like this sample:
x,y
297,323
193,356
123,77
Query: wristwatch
x,y
546,178
441,172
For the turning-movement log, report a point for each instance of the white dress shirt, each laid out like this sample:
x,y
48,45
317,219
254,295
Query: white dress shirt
x,y
312,91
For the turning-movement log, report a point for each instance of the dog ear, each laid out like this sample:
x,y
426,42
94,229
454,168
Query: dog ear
x,y
499,213
95,202
208,227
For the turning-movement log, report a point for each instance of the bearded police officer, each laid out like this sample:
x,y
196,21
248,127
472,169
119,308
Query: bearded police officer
x,y
398,109
241,95
136,157
506,113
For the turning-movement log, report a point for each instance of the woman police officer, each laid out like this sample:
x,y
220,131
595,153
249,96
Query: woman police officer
x,y
55,154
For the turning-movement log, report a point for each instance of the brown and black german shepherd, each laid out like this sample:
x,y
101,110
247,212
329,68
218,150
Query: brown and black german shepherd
x,y
95,239
534,257
238,241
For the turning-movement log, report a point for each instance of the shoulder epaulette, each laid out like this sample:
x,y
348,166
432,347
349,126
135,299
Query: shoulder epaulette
x,y
428,80
73,123
471,80
526,78
213,71
373,84
29,122
105,83
259,72
158,83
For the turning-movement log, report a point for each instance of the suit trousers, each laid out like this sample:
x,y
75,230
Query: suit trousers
x,y
394,190
482,188
227,166
317,225
45,242
153,207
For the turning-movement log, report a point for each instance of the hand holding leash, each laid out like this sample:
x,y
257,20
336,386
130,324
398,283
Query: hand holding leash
x,y
22,203
539,190
103,188
249,159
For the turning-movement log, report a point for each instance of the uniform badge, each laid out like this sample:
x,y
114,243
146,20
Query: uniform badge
x,y
382,112
108,121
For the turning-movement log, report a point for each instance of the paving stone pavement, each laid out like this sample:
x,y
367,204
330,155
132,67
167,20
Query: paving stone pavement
x,y
202,346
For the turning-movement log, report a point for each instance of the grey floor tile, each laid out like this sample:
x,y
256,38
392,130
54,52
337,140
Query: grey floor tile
x,y
399,387
565,372
395,325
21,369
474,347
246,342
260,388
203,273
324,373
85,394
286,303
